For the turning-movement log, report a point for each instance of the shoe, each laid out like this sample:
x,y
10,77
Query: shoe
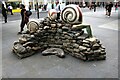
x,y
19,32
108,16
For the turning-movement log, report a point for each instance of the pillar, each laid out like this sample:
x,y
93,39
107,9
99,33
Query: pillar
x,y
33,4
26,3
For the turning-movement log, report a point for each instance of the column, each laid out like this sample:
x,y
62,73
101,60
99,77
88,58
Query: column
x,y
33,4
45,1
26,4
49,4
22,1
83,3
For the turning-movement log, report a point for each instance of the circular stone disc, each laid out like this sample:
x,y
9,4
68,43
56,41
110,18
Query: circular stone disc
x,y
33,26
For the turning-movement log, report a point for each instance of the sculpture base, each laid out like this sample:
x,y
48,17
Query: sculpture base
x,y
59,35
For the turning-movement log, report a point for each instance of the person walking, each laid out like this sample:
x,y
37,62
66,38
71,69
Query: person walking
x,y
10,9
4,13
29,7
116,7
57,8
52,5
110,9
94,7
25,19
106,8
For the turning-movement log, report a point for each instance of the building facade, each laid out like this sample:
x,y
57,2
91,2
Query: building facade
x,y
41,3
47,4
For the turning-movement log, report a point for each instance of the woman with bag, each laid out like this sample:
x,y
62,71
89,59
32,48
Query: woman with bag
x,y
25,19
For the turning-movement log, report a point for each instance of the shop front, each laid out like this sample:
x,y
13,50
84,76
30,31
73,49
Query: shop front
x,y
14,3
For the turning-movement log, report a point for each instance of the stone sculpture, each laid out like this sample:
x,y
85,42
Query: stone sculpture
x,y
60,37
72,14
33,26
52,14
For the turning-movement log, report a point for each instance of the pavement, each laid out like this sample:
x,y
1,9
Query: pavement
x,y
38,66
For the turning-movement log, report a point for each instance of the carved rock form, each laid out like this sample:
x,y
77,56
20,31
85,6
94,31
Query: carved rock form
x,y
72,14
93,50
22,51
24,38
54,37
54,51
52,14
33,26
18,48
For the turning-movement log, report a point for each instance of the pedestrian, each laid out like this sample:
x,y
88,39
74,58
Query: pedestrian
x,y
52,5
4,13
116,7
10,9
25,19
35,7
110,9
103,4
57,8
90,6
94,7
29,7
106,8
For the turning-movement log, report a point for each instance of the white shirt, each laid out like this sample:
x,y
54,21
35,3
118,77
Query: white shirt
x,y
57,8
10,7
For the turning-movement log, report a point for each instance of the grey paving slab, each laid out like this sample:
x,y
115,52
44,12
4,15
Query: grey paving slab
x,y
100,13
112,25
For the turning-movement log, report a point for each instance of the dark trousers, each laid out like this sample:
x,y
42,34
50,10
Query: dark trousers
x,y
106,12
94,9
23,22
11,12
109,12
5,17
58,15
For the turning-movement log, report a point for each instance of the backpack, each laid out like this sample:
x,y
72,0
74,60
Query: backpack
x,y
28,13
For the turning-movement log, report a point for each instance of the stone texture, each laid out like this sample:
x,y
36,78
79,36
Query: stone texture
x,y
57,38
54,51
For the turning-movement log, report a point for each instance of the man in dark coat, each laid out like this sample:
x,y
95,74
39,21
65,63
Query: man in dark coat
x,y
109,9
25,19
94,6
4,13
106,7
